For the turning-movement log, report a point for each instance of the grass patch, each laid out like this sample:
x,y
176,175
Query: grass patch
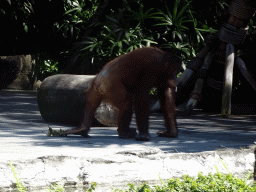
x,y
19,185
217,182
58,187
212,183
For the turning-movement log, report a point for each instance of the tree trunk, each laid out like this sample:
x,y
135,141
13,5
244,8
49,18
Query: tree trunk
x,y
62,99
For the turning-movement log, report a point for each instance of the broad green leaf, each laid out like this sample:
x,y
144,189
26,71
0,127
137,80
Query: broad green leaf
x,y
183,10
108,29
126,42
97,50
162,24
131,35
168,11
155,17
29,7
195,23
113,46
168,17
151,14
71,10
127,35
25,27
186,21
199,35
176,33
182,27
88,42
92,47
205,27
175,9
129,49
141,11
146,13
120,44
150,41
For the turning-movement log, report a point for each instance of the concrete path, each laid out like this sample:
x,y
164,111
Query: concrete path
x,y
110,162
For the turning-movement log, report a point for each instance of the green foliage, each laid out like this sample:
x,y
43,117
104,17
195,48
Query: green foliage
x,y
131,27
92,188
179,26
52,133
20,187
58,187
50,67
77,17
116,37
209,12
175,19
153,91
125,30
214,183
183,35
140,16
19,11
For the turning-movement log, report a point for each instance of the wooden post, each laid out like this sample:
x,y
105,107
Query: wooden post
x,y
228,80
247,75
196,94
187,74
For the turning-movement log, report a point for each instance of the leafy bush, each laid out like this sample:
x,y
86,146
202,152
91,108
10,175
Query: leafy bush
x,y
214,183
117,37
131,27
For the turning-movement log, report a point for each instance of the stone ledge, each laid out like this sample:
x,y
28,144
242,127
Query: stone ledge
x,y
123,167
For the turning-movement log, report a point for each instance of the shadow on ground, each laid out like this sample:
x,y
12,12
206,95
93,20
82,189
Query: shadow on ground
x,y
21,123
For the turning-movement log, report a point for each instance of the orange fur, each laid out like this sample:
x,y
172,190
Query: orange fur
x,y
131,76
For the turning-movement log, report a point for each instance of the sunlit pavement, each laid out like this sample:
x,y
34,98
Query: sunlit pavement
x,y
22,126
23,133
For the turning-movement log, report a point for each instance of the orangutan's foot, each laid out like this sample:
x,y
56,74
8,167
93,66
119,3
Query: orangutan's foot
x,y
143,137
167,134
127,135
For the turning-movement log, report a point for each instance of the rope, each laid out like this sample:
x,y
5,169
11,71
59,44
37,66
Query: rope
x,y
195,95
230,34
239,9
214,84
202,73
195,63
211,40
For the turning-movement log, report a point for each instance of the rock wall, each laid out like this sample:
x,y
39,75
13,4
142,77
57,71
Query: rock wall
x,y
24,63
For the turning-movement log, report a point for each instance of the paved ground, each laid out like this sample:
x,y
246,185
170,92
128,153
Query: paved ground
x,y
23,141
